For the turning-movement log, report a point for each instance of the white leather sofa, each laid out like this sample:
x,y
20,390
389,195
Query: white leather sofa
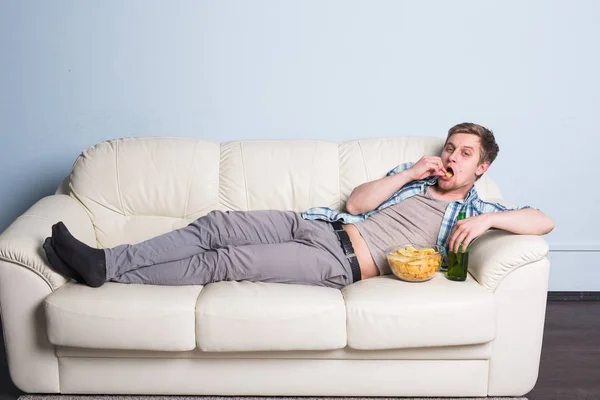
x,y
377,337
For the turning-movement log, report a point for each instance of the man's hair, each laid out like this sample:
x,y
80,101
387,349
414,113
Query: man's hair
x,y
488,147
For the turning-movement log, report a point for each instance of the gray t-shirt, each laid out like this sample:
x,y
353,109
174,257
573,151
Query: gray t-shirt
x,y
416,220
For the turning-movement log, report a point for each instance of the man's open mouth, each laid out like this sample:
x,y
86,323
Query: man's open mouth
x,y
449,172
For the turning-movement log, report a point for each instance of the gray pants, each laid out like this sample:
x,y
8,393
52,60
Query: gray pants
x,y
258,246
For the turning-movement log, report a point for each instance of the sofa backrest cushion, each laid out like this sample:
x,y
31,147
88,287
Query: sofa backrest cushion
x,y
137,188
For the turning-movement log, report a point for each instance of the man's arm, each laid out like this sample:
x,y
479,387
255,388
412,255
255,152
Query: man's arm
x,y
528,221
369,195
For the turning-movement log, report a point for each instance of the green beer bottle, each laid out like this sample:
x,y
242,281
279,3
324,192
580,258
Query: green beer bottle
x,y
458,262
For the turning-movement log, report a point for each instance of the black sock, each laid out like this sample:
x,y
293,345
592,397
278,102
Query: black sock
x,y
57,264
89,262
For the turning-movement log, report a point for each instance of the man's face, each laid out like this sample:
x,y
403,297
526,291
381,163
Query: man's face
x,y
461,157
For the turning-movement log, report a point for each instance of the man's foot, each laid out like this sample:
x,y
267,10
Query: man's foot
x,y
57,264
89,262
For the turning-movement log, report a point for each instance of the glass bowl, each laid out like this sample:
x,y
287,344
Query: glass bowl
x,y
414,263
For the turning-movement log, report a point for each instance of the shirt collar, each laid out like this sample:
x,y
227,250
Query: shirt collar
x,y
471,196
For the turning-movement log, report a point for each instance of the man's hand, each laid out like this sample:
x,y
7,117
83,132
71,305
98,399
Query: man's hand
x,y
468,229
427,166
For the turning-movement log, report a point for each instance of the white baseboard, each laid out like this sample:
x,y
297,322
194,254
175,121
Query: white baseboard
x,y
581,246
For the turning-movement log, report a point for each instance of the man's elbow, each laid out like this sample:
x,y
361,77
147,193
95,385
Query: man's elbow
x,y
351,208
549,226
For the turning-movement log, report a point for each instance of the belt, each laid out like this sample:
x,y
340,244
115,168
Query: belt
x,y
348,249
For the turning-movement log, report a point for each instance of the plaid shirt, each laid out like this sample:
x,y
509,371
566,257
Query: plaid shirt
x,y
472,205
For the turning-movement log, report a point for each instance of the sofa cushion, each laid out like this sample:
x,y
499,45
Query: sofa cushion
x,y
254,316
386,313
120,316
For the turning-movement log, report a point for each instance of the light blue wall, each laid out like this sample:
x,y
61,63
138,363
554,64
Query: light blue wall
x,y
75,73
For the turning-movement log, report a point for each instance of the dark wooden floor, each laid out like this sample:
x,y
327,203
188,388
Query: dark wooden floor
x,y
570,365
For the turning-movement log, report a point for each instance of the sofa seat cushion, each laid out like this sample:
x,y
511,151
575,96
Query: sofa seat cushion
x,y
121,316
255,316
387,313
480,351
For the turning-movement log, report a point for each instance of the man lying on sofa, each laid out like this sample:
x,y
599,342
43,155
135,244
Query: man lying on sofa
x,y
414,203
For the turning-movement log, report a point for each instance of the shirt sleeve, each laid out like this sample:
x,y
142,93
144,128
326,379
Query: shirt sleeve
x,y
488,207
400,168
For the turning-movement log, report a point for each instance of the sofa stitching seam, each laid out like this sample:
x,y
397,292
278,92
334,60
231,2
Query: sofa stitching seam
x,y
189,189
117,173
339,178
245,178
35,271
364,162
311,190
219,175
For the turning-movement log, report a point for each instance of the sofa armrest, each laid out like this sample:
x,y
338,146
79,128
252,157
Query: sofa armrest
x,y
496,253
21,243
26,279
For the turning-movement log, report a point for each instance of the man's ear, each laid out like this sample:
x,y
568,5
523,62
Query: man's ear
x,y
481,169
